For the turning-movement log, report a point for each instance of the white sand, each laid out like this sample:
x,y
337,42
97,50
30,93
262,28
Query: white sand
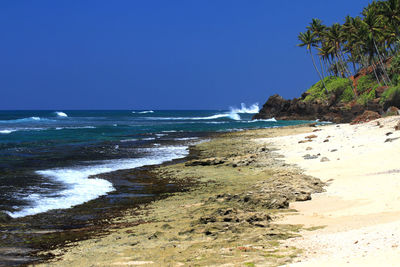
x,y
361,207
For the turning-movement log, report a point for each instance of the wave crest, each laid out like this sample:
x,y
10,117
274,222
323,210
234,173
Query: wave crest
x,y
61,114
243,109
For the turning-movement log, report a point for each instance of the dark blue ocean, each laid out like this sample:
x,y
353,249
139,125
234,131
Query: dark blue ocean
x,y
47,157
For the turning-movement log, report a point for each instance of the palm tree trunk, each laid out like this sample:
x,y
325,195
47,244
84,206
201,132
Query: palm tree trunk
x,y
315,66
381,62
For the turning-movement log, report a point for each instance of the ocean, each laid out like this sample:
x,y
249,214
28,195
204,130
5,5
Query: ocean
x,y
49,160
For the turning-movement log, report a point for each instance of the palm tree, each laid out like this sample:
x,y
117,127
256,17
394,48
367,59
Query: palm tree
x,y
308,40
372,23
318,30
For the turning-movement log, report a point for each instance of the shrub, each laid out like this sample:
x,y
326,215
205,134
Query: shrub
x,y
366,97
391,97
334,85
394,68
365,82
347,95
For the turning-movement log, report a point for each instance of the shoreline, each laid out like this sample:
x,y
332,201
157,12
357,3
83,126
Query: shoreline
x,y
241,188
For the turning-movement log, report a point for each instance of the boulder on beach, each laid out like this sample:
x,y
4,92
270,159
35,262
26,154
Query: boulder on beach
x,y
367,116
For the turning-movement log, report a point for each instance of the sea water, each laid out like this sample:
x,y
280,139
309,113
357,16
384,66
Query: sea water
x,y
50,159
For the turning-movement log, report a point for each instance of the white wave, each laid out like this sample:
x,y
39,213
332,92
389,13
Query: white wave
x,y
160,135
128,140
143,112
30,119
81,189
75,127
243,109
266,120
148,138
6,131
186,138
231,115
61,114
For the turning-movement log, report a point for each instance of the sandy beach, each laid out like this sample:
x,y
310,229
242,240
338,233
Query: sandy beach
x,y
238,211
360,210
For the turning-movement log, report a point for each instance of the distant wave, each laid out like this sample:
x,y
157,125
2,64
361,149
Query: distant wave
x,y
30,119
143,112
81,189
243,109
266,120
231,115
75,127
26,129
8,131
61,114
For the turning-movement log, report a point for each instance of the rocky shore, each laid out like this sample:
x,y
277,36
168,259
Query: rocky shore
x,y
227,217
329,110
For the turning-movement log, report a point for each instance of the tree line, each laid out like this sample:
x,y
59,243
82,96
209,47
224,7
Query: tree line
x,y
365,41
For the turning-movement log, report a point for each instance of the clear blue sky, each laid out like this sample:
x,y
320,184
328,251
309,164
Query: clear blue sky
x,y
203,54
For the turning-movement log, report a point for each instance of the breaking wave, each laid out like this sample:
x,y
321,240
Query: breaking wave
x,y
80,188
61,114
143,112
243,109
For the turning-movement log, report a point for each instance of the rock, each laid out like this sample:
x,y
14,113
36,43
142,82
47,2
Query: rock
x,y
308,156
326,140
388,133
205,162
366,117
305,141
391,139
4,217
207,219
317,130
311,136
397,126
324,159
333,150
392,111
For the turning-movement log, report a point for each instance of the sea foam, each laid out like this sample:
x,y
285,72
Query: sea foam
x,y
80,189
243,109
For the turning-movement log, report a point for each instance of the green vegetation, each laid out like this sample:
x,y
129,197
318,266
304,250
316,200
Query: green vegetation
x,y
366,83
364,41
340,87
366,97
390,96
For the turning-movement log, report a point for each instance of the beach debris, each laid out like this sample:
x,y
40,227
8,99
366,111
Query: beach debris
x,y
309,148
334,150
326,140
388,133
324,159
317,130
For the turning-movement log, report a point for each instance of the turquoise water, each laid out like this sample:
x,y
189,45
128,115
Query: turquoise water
x,y
47,157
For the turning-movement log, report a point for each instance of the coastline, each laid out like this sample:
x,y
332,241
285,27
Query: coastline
x,y
240,189
238,212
